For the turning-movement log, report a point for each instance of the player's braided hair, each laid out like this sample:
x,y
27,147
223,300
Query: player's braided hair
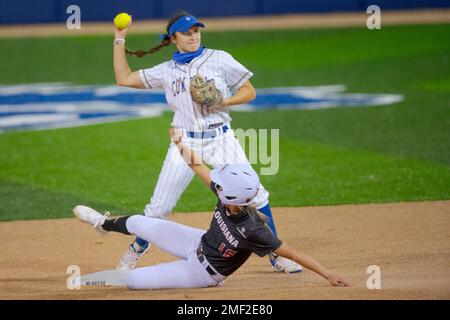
x,y
164,42
140,53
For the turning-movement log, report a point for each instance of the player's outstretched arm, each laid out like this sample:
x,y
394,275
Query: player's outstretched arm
x,y
191,157
122,71
244,94
308,262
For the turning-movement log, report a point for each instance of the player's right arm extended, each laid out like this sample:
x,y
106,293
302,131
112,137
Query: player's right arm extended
x,y
192,159
122,71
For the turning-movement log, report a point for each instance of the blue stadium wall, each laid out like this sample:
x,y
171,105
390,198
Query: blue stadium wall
x,y
54,11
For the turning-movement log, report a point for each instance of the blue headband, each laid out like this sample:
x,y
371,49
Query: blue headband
x,y
183,24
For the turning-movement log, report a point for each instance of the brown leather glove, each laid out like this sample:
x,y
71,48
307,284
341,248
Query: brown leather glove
x,y
206,94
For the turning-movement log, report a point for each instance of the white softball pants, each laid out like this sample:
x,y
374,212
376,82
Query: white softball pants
x,y
178,240
176,175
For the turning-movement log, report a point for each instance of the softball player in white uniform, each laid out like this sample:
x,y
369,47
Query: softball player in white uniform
x,y
209,133
206,258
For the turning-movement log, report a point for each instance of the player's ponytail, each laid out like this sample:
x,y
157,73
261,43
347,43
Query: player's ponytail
x,y
164,42
255,214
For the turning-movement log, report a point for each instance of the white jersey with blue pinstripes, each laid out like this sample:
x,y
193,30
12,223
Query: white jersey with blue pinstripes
x,y
228,75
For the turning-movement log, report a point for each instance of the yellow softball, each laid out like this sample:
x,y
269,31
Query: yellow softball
x,y
122,20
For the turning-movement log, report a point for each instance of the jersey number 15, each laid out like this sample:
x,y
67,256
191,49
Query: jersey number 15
x,y
228,253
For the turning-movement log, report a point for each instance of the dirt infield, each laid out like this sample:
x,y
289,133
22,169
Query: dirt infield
x,y
410,242
290,21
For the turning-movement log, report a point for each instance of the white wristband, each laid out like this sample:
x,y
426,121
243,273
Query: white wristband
x,y
119,41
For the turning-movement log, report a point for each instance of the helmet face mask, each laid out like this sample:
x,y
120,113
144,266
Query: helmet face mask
x,y
237,184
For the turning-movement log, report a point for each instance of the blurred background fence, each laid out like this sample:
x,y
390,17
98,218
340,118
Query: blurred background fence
x,y
54,11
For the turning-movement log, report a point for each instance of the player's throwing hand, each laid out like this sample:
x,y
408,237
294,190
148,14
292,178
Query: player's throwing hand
x,y
122,33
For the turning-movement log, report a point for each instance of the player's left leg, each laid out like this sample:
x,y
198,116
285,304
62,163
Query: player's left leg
x,y
227,150
171,237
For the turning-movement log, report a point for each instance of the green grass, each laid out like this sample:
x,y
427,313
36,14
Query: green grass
x,y
380,154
